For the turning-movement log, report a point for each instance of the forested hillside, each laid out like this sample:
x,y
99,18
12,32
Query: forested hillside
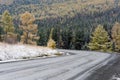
x,y
55,8
73,20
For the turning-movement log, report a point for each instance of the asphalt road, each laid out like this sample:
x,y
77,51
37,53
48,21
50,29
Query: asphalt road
x,y
77,66
111,71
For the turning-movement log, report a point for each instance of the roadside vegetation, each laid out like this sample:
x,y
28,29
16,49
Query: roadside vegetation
x,y
100,39
66,24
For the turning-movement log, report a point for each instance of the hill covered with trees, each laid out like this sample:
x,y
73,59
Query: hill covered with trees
x,y
73,20
55,8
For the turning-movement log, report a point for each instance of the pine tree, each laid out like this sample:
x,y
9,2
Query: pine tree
x,y
60,40
1,31
116,36
1,34
8,22
100,40
51,43
8,28
73,40
29,29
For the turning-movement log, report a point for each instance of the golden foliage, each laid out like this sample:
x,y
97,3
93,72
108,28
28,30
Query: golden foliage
x,y
8,27
51,43
100,40
27,18
29,29
116,36
67,7
7,19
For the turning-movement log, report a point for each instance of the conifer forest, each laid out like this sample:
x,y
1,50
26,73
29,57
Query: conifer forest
x,y
64,24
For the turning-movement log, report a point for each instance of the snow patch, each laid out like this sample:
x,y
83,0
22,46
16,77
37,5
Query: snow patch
x,y
13,52
115,77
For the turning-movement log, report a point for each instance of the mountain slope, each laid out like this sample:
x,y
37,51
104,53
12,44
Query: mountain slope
x,y
55,8
7,2
67,17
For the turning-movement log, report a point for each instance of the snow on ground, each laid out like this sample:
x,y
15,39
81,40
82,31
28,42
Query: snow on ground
x,y
114,77
13,52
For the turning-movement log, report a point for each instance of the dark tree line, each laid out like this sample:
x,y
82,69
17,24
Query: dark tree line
x,y
75,32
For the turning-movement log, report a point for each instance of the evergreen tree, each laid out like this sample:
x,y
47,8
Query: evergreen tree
x,y
29,29
1,31
116,36
60,41
8,22
100,40
73,40
51,43
8,28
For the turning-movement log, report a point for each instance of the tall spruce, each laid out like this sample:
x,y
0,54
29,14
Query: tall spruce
x,y
8,22
8,28
73,40
116,36
1,31
100,40
60,40
29,29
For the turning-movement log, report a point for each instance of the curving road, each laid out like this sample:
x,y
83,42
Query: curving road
x,y
77,66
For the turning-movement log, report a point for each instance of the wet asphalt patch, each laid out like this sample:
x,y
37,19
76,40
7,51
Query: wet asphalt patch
x,y
111,71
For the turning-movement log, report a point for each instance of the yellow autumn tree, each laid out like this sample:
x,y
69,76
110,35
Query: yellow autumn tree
x,y
51,43
29,29
116,36
100,40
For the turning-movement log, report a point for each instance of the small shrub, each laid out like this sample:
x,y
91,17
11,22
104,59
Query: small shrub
x,y
26,57
58,54
51,44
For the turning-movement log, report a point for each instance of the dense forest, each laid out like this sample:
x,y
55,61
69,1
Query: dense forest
x,y
73,20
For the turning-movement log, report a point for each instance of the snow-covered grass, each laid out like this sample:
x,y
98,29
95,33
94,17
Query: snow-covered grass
x,y
18,51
